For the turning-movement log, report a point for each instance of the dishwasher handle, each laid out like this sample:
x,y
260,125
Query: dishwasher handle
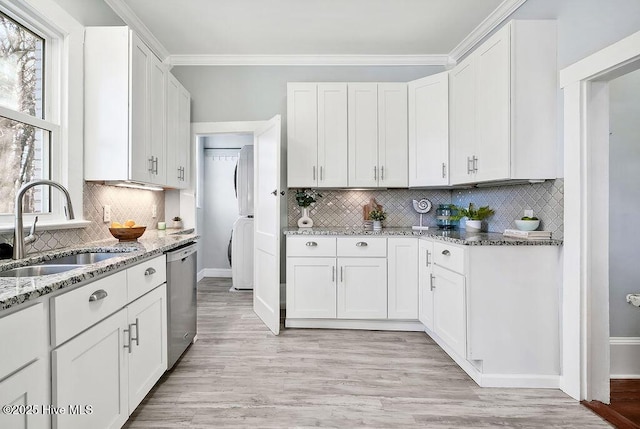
x,y
181,253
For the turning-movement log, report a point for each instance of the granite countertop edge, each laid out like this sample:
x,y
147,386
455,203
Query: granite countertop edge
x,y
18,290
452,236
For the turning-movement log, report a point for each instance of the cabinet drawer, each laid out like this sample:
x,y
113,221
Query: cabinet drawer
x,y
146,276
23,338
311,246
362,247
449,256
75,311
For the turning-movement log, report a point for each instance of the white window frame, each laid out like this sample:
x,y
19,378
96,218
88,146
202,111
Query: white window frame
x,y
56,102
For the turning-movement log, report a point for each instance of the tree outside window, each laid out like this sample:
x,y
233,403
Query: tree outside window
x,y
24,147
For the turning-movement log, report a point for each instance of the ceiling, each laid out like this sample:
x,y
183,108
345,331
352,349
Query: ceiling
x,y
217,28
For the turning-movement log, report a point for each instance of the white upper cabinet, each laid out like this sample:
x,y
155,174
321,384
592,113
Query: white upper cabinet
x,y
504,107
317,135
428,119
378,146
363,135
178,134
125,101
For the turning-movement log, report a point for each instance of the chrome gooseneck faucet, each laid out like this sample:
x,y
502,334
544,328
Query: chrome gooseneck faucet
x,y
19,240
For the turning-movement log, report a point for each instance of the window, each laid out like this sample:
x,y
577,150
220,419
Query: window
x,y
26,134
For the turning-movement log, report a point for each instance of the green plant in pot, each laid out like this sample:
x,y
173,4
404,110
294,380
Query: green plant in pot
x,y
475,216
377,216
304,198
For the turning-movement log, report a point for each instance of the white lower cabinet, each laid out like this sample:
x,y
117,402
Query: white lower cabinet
x,y
425,283
362,289
449,309
311,287
22,390
402,293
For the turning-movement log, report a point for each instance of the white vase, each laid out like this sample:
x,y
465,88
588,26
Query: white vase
x,y
377,225
305,221
473,225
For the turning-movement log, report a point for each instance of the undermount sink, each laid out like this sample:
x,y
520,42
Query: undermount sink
x,y
81,258
38,270
59,264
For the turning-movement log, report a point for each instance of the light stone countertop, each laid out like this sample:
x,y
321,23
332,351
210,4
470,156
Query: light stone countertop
x,y
17,290
457,236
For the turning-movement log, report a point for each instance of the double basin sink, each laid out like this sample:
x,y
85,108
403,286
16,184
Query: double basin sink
x,y
60,264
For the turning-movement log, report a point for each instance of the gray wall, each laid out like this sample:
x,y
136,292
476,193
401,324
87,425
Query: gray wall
x,y
624,203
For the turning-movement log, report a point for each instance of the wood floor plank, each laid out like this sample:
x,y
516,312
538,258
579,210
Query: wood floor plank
x,y
238,375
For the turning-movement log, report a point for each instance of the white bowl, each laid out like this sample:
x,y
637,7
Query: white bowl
x,y
527,225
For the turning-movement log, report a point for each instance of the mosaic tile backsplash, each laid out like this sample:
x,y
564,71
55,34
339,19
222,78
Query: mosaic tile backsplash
x,y
125,204
344,208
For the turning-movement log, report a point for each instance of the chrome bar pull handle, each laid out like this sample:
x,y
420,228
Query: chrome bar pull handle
x,y
150,169
149,271
375,172
446,252
382,173
432,286
475,164
321,175
469,165
362,244
128,333
428,259
98,295
444,170
341,275
333,273
311,244
137,337
314,172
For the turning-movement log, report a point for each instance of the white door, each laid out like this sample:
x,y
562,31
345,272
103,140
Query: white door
x,y
393,145
157,113
148,352
92,369
362,116
402,259
332,135
425,293
139,117
463,122
362,288
302,135
173,132
26,387
429,130
266,292
184,135
450,321
311,288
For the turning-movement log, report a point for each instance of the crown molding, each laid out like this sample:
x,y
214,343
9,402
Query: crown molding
x,y
131,19
490,23
308,60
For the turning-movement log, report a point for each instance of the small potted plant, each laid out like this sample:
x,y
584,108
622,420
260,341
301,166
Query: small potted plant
x,y
377,216
304,198
475,216
177,222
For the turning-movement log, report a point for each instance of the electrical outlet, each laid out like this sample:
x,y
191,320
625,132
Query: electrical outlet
x,y
528,213
106,213
154,211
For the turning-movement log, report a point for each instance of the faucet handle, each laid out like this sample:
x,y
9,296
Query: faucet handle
x,y
31,237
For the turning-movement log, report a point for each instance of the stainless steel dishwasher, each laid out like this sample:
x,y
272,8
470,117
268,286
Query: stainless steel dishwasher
x,y
181,300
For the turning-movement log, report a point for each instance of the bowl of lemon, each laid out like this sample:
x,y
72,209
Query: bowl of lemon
x,y
127,231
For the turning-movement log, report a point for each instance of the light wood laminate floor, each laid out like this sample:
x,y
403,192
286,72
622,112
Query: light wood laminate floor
x,y
238,375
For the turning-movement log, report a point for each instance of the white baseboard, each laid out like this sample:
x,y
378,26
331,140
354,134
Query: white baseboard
x,y
372,325
216,272
625,357
200,275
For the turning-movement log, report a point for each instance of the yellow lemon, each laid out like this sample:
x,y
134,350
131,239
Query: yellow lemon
x,y
116,225
129,223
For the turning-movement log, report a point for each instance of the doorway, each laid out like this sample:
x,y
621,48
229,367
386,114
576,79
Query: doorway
x,y
585,294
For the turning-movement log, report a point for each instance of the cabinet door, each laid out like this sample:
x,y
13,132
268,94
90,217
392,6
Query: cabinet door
x,y
185,144
139,119
363,134
157,112
493,108
311,287
463,122
92,369
147,325
173,172
362,288
332,135
429,130
393,146
26,387
302,135
425,293
450,321
402,265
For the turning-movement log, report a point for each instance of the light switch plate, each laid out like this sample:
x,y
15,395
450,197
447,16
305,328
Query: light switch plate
x,y
154,211
106,213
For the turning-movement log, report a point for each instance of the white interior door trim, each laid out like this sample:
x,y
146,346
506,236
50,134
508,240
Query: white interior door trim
x,y
585,357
